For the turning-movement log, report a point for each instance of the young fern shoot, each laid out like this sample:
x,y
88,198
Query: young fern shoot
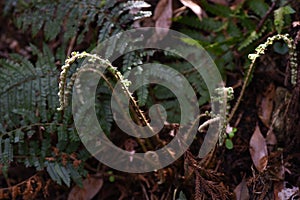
x,y
260,50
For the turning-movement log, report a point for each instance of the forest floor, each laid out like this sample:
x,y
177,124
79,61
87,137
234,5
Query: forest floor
x,y
263,164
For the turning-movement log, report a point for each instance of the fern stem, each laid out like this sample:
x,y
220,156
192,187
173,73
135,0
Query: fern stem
x,y
260,50
64,90
29,126
234,109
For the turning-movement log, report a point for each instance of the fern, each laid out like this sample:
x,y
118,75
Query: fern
x,y
225,30
259,7
252,37
233,29
29,120
260,50
28,98
59,173
279,17
216,9
26,86
74,17
208,24
103,108
142,95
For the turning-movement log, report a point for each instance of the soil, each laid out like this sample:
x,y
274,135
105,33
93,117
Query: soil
x,y
217,175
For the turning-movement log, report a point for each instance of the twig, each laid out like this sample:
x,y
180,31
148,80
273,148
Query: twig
x,y
262,21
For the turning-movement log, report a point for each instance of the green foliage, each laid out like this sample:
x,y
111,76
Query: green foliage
x,y
260,50
58,173
216,9
253,36
35,134
32,132
29,120
227,29
259,7
208,25
230,134
228,143
24,85
279,16
72,18
111,177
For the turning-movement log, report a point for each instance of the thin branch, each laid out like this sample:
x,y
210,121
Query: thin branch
x,y
262,21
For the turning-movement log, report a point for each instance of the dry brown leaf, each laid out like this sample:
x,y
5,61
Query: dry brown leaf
x,y
266,105
271,138
91,187
241,191
159,9
163,17
258,150
194,7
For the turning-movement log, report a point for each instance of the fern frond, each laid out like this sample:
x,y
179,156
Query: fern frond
x,y
74,17
25,86
216,9
251,38
209,24
233,30
28,93
259,7
279,17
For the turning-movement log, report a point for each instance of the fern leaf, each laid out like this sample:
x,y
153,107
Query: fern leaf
x,y
279,16
8,150
233,29
76,177
142,94
63,173
259,7
251,38
216,9
209,24
59,16
53,174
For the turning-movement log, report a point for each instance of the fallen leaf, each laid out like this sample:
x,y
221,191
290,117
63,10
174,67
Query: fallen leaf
x,y
163,17
271,138
194,7
258,150
266,105
91,187
241,191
